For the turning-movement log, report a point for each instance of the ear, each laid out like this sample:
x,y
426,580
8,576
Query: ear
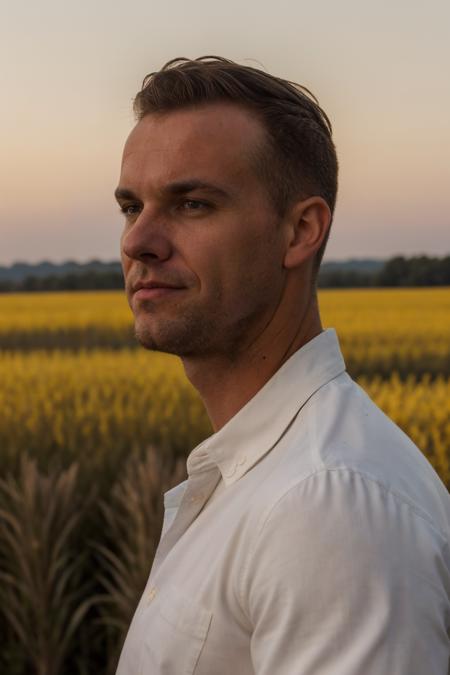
x,y
306,228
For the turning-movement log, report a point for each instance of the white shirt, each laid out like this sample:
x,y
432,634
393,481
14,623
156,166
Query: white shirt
x,y
311,538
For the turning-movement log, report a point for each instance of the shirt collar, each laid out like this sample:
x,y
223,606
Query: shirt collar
x,y
257,427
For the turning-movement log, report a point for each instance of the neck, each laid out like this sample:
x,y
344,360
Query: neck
x,y
226,384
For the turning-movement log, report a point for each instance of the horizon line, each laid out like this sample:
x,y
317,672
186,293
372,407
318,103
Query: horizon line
x,y
109,261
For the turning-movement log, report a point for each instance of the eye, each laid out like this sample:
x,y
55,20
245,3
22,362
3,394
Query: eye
x,y
129,210
193,205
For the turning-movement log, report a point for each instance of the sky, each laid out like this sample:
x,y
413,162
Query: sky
x,y
70,70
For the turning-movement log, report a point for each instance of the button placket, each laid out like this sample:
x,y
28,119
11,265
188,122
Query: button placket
x,y
198,490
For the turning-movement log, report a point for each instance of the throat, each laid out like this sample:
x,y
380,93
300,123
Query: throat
x,y
225,386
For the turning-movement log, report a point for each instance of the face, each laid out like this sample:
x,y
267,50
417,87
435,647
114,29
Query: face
x,y
202,251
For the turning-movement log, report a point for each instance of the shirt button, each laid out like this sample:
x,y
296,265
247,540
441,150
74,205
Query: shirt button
x,y
151,594
231,471
242,460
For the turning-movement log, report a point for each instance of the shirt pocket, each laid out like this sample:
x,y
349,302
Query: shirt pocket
x,y
176,635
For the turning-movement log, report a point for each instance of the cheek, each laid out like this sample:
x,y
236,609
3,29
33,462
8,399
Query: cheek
x,y
232,254
252,264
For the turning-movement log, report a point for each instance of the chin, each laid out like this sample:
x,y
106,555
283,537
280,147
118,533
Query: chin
x,y
149,340
186,337
167,342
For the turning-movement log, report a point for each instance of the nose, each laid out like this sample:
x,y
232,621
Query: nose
x,y
146,238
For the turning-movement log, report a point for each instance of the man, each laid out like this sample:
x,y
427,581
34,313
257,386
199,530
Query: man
x,y
311,537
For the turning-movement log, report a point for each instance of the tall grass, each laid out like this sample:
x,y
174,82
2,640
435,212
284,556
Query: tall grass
x,y
73,568
43,596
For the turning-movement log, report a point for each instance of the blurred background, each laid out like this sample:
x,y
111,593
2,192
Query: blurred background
x,y
94,429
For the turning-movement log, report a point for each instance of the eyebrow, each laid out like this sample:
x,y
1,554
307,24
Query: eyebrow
x,y
177,188
123,193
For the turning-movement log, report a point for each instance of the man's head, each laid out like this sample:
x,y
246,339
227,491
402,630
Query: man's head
x,y
223,162
298,158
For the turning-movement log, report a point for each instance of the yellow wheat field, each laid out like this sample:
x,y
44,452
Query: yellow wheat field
x,y
100,406
75,320
95,407
385,330
422,311
381,330
84,399
61,311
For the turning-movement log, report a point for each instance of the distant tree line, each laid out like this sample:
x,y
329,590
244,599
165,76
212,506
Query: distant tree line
x,y
398,271
89,280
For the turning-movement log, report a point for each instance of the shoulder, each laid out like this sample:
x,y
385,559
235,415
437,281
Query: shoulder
x,y
353,574
348,431
342,496
342,453
340,529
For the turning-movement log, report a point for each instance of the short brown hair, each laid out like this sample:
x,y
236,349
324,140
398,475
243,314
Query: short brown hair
x,y
299,160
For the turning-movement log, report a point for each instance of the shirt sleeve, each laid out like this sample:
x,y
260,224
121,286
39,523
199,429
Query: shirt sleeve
x,y
346,578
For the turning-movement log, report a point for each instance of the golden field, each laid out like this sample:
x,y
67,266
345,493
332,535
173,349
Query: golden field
x,y
99,407
96,407
381,330
93,395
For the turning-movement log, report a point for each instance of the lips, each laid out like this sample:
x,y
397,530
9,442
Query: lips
x,y
153,284
150,290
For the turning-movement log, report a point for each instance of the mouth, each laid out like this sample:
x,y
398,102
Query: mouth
x,y
153,290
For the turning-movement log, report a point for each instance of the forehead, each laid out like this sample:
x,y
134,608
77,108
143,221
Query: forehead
x,y
214,141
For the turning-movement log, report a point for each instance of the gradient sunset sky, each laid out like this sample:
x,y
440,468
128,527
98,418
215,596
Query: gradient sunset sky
x,y
70,70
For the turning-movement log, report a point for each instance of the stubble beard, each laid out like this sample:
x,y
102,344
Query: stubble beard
x,y
186,330
197,332
186,335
